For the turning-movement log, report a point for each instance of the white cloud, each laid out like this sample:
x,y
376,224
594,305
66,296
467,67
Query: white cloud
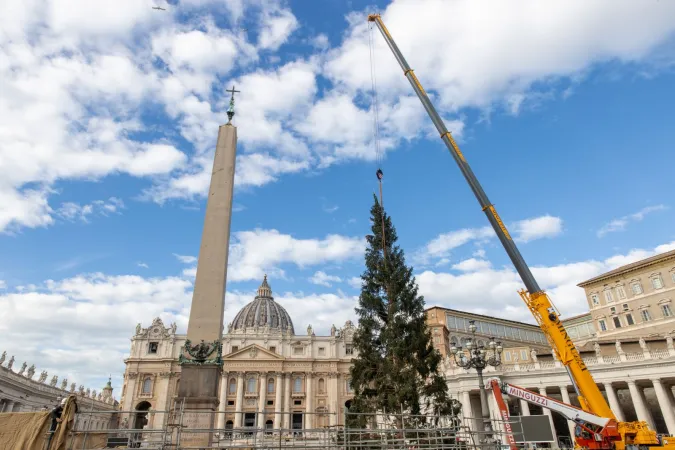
x,y
523,231
277,26
254,253
258,252
491,291
186,259
621,223
355,282
143,265
499,56
45,324
323,279
537,228
74,211
3,285
472,265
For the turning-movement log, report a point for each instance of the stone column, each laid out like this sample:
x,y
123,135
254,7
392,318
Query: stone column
x,y
542,391
333,396
640,407
666,405
262,396
309,397
224,385
277,401
9,404
566,398
524,408
287,401
239,402
614,404
466,410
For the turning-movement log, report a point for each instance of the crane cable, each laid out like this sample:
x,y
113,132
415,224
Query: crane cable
x,y
376,134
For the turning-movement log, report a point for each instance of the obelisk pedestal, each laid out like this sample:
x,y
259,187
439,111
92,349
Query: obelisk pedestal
x,y
201,357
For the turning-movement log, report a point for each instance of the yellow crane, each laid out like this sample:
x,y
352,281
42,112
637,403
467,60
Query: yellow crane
x,y
631,435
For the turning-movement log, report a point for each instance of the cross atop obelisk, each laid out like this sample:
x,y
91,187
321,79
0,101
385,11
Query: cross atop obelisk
x,y
201,356
230,110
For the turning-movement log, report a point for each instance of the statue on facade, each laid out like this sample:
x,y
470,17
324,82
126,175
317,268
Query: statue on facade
x,y
229,327
596,347
54,380
669,341
174,327
64,384
619,350
100,396
2,358
31,371
138,328
10,363
93,393
333,330
533,355
43,376
87,393
81,390
309,330
23,368
72,387
643,345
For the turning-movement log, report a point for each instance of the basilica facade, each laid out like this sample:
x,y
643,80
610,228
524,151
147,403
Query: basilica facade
x,y
271,377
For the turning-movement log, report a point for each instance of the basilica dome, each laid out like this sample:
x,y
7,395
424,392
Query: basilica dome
x,y
263,312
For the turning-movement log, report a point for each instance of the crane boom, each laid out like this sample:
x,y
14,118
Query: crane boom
x,y
589,394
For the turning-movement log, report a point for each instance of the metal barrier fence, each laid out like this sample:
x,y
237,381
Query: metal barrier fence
x,y
192,430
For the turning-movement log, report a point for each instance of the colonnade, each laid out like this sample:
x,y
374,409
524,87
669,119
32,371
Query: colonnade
x,y
663,390
279,395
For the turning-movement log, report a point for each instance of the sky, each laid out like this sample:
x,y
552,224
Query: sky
x,y
109,113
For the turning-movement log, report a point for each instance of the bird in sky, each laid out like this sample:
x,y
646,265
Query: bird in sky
x,y
159,8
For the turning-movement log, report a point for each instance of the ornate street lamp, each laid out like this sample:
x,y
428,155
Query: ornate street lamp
x,y
479,358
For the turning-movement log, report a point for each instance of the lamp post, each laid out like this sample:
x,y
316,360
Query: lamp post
x,y
479,358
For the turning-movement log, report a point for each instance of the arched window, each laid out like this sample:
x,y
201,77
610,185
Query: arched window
x,y
349,386
297,385
322,386
233,386
147,385
250,387
270,385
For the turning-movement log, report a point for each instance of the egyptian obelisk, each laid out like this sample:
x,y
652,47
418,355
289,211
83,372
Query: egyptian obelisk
x,y
201,357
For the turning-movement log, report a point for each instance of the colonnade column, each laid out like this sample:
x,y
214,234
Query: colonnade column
x,y
640,407
614,404
262,396
277,400
566,398
666,405
542,391
333,409
309,417
239,403
287,401
467,411
222,401
9,404
524,408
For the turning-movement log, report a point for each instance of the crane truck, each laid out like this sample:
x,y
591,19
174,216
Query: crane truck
x,y
628,435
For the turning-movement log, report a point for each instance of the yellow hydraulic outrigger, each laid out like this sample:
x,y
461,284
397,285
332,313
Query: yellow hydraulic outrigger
x,y
632,434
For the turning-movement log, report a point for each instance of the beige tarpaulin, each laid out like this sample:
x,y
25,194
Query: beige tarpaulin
x,y
29,431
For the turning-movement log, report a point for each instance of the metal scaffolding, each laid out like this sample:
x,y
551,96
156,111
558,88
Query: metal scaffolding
x,y
180,429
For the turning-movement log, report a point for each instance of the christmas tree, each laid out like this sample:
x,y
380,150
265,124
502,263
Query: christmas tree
x,y
396,370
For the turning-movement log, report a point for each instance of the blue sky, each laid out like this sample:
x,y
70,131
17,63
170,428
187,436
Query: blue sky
x,y
109,119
